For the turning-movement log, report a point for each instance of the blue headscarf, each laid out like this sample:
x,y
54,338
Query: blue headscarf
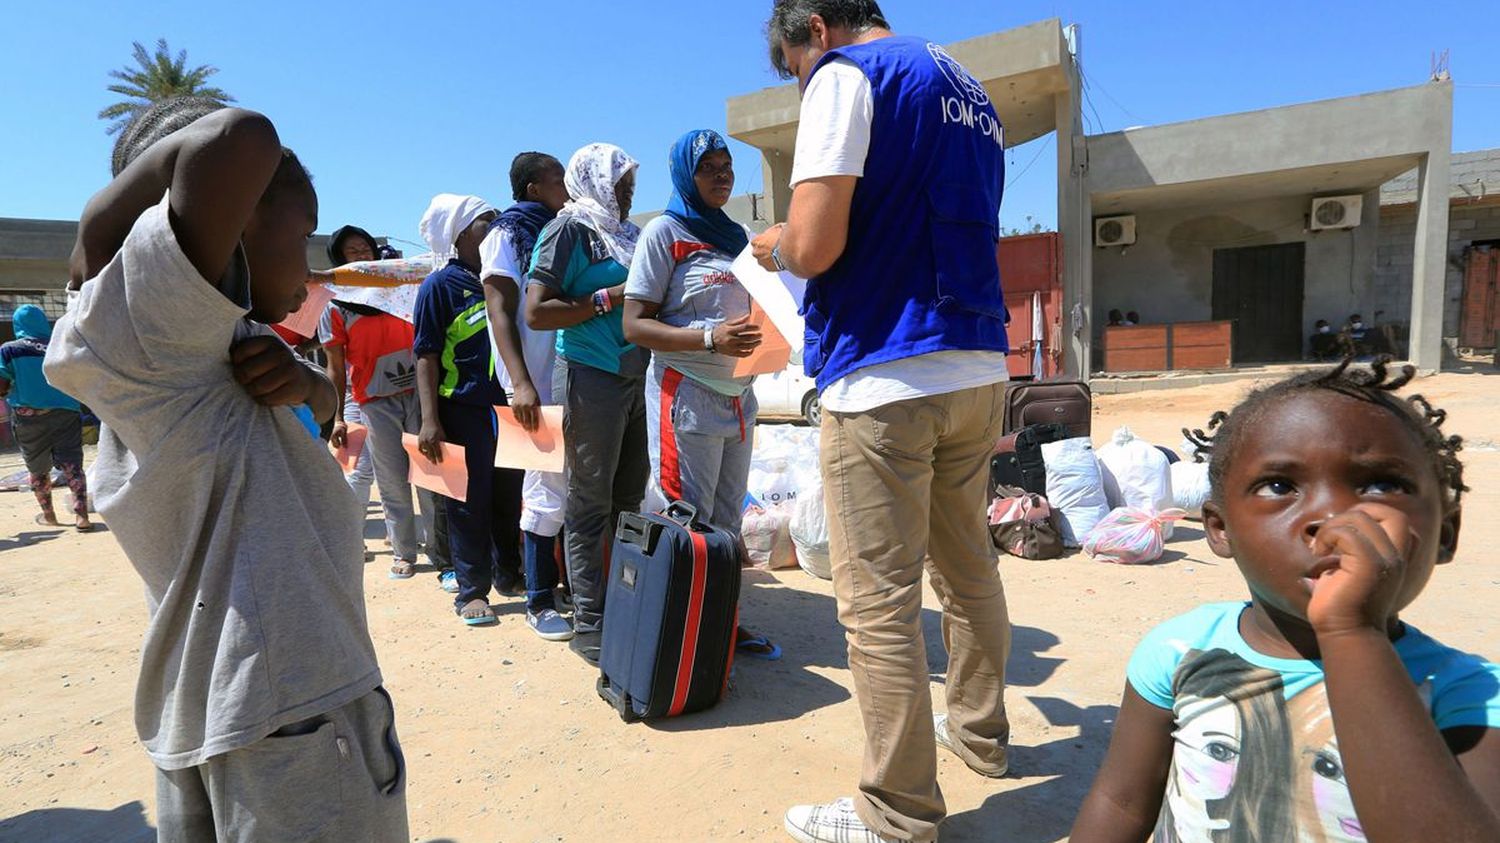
x,y
711,225
523,221
31,323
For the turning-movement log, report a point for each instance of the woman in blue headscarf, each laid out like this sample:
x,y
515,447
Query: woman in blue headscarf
x,y
49,427
683,302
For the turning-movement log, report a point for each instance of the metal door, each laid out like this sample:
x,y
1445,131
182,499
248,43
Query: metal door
x,y
1259,288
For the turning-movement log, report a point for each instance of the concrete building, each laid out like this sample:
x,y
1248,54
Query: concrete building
x,y
34,265
1204,195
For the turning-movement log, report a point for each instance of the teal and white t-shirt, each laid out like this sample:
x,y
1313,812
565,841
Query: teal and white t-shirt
x,y
575,261
1255,755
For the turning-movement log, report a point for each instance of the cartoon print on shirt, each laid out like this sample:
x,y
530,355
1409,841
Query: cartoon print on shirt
x,y
1231,750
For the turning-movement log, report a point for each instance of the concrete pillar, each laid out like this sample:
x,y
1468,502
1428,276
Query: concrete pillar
x,y
1075,224
776,173
1430,251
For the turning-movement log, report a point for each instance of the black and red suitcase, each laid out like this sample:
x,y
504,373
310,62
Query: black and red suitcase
x,y
670,614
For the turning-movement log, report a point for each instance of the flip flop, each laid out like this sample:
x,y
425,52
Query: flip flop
x,y
486,619
759,647
411,571
89,528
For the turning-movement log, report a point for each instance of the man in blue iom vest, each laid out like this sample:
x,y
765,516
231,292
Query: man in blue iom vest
x,y
894,218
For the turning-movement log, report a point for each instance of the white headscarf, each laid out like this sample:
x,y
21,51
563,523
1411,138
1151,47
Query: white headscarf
x,y
447,216
591,177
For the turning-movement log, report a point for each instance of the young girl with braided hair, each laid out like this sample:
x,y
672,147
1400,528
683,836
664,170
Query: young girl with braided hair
x,y
1311,711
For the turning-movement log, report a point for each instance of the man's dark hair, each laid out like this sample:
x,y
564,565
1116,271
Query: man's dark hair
x,y
166,116
789,23
526,168
1373,384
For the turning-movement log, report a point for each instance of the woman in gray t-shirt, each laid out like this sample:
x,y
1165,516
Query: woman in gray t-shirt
x,y
683,302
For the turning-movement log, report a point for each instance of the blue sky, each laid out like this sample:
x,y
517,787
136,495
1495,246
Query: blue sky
x,y
389,103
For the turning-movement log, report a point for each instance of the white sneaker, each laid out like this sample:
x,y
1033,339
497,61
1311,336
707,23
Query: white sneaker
x,y
944,740
835,822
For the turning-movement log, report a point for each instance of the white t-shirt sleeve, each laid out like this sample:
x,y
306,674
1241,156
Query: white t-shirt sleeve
x,y
833,135
497,256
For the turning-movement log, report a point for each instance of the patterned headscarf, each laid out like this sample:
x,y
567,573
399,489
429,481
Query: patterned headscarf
x,y
591,177
447,216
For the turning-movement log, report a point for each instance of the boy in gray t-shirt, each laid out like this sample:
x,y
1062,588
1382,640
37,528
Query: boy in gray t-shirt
x,y
259,697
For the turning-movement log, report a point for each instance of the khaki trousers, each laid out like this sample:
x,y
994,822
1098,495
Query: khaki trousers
x,y
906,487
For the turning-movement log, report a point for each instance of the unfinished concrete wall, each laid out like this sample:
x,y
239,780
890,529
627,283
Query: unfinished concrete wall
x,y
1168,274
1468,223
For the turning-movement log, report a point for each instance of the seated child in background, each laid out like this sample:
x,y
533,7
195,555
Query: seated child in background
x,y
1312,712
1324,343
1356,337
259,698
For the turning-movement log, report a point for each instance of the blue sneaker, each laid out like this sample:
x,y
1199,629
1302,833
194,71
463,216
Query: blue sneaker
x,y
448,581
549,625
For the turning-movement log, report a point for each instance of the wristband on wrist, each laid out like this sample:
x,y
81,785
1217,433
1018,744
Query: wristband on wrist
x,y
708,339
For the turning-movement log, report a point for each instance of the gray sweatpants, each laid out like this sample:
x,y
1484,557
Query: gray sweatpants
x,y
363,476
336,777
700,446
604,431
386,419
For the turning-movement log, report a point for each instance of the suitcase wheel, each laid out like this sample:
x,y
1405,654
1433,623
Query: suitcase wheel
x,y
627,711
620,702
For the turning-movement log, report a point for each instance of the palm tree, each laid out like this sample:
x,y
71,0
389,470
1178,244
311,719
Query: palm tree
x,y
158,77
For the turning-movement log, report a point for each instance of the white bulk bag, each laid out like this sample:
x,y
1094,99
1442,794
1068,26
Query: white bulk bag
x,y
1136,475
1075,487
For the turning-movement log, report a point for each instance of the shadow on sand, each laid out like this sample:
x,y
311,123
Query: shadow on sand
x,y
125,824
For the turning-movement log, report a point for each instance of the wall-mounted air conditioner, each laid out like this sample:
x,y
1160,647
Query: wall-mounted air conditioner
x,y
1114,231
1336,212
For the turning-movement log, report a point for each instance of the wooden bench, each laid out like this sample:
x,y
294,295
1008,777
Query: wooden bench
x,y
1168,347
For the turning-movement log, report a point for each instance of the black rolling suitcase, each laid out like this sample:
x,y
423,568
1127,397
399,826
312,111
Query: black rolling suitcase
x,y
1018,458
670,614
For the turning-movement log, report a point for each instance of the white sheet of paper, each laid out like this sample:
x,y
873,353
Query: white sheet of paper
x,y
778,293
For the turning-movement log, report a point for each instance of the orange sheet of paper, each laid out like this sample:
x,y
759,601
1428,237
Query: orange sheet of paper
x,y
772,355
515,447
449,478
354,445
305,320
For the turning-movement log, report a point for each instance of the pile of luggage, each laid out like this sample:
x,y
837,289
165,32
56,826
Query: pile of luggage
x,y
1054,492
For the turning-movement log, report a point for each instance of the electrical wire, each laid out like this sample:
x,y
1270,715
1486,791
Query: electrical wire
x,y
1089,100
1043,148
1128,113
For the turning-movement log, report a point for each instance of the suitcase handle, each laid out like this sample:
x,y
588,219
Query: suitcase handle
x,y
682,512
635,529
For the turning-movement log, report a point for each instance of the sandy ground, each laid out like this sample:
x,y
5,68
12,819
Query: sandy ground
x,y
506,740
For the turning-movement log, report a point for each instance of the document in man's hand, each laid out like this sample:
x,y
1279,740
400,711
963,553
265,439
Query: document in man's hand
x,y
778,293
517,447
354,445
449,478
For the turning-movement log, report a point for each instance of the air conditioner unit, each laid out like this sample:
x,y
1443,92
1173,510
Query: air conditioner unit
x,y
1114,231
1336,212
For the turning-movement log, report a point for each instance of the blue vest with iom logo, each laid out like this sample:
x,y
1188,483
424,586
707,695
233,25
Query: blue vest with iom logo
x,y
918,274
